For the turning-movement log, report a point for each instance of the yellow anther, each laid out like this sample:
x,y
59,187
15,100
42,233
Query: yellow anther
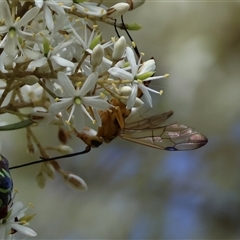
x,y
67,122
57,99
79,84
166,75
113,39
161,92
102,95
17,19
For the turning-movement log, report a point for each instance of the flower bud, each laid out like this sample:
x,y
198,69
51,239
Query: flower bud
x,y
96,56
49,170
119,48
133,26
125,90
138,103
64,149
8,62
148,66
75,182
63,135
30,80
135,4
117,10
41,180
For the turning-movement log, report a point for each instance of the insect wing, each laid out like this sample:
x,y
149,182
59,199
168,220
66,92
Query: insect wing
x,y
147,123
173,137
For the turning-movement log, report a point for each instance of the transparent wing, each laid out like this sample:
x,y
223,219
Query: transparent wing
x,y
148,123
171,137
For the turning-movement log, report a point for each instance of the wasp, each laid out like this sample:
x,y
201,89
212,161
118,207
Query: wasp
x,y
6,186
148,131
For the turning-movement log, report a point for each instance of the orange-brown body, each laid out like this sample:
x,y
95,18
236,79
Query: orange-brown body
x,y
112,123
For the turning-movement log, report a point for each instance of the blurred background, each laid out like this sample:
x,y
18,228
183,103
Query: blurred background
x,y
136,192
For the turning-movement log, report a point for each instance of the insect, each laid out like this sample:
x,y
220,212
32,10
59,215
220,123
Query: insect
x,y
6,186
146,131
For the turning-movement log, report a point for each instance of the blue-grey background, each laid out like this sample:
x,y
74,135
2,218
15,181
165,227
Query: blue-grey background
x,y
136,192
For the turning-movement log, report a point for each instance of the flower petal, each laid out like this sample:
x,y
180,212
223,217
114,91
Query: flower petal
x,y
61,105
24,230
120,73
66,84
96,103
62,62
37,63
48,18
89,84
146,94
10,45
132,60
78,119
5,13
27,17
132,98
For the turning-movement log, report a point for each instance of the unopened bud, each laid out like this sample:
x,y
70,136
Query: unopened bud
x,y
76,182
96,56
31,148
30,80
126,90
138,103
64,149
117,10
63,135
41,180
119,48
133,26
135,4
49,170
148,66
8,62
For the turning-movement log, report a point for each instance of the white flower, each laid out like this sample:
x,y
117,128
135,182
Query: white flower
x,y
78,101
13,29
52,55
88,43
139,74
84,7
15,221
47,4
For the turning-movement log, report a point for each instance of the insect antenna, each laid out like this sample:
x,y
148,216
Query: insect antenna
x,y
87,149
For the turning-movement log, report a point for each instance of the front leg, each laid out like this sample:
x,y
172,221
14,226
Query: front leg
x,y
87,137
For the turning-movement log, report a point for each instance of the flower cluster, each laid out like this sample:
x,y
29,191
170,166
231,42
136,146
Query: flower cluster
x,y
56,63
57,68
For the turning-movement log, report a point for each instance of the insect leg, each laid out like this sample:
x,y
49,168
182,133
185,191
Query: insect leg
x,y
92,141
